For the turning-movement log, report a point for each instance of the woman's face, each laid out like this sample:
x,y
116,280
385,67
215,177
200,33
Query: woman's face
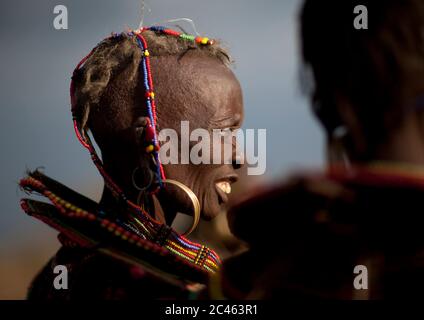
x,y
206,94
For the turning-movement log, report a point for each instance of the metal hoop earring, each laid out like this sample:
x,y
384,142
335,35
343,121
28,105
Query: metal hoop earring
x,y
194,200
142,190
147,186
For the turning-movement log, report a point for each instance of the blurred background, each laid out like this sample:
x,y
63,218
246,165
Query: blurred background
x,y
36,64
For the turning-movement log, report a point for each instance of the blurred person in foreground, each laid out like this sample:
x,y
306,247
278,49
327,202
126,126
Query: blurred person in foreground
x,y
312,236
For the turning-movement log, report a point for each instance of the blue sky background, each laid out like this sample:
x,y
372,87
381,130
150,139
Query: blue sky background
x,y
36,62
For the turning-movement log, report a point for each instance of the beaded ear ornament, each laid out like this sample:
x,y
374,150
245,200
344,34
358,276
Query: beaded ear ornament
x,y
148,227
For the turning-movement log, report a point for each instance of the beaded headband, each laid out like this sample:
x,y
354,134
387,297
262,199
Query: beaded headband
x,y
151,229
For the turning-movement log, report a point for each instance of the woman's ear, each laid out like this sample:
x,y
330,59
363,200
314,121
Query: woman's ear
x,y
143,176
139,131
143,135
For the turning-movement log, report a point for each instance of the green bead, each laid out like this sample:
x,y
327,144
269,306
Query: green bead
x,y
187,37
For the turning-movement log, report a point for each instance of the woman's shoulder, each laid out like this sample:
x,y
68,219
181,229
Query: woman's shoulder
x,y
280,208
361,198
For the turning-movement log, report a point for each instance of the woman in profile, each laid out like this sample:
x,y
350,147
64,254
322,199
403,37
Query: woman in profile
x,y
128,88
354,230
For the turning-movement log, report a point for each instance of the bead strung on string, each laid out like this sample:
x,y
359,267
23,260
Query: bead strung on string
x,y
170,32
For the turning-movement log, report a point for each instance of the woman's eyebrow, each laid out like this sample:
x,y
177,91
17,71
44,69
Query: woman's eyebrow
x,y
227,121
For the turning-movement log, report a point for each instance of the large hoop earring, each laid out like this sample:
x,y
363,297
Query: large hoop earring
x,y
194,200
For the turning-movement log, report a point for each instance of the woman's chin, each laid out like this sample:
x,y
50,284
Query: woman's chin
x,y
212,208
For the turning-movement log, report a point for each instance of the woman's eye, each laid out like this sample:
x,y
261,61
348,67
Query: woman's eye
x,y
225,132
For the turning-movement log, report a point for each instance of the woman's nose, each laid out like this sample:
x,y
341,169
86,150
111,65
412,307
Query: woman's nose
x,y
238,161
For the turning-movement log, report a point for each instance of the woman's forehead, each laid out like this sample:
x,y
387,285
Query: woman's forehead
x,y
198,87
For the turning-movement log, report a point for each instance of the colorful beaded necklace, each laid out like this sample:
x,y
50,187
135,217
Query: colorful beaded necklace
x,y
149,228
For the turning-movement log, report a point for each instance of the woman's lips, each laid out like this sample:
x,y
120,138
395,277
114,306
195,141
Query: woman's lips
x,y
225,186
